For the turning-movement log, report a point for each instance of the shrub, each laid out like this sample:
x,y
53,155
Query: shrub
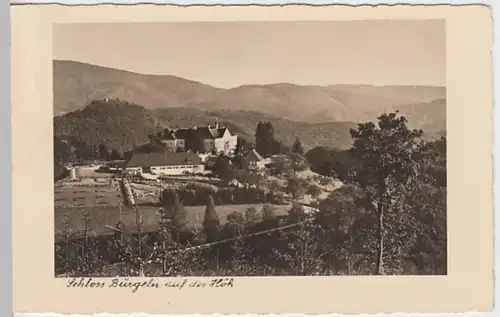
x,y
211,222
268,212
252,215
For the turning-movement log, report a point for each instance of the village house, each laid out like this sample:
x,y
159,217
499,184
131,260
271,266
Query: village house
x,y
209,139
165,163
255,160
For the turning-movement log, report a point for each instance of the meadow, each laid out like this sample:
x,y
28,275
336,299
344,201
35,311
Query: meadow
x,y
98,206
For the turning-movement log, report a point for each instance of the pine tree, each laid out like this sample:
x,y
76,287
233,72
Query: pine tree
x,y
173,217
103,152
297,147
173,226
211,222
179,217
265,142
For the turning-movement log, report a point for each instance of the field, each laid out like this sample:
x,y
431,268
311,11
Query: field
x,y
100,217
98,199
100,194
99,203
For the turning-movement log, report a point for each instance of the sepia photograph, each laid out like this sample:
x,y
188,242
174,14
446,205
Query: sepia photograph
x,y
337,156
221,149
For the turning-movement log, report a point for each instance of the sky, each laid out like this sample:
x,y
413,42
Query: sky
x,y
229,54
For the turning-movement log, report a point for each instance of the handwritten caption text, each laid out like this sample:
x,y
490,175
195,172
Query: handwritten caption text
x,y
135,284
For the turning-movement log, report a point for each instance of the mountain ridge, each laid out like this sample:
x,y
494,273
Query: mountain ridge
x,y
77,84
318,115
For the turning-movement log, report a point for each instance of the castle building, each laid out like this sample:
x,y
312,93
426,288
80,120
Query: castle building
x,y
208,139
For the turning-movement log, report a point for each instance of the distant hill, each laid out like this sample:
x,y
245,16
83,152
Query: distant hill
x,y
77,84
316,104
430,116
123,125
117,124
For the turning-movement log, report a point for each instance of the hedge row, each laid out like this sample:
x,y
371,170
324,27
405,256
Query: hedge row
x,y
223,196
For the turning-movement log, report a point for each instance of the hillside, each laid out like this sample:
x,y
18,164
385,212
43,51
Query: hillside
x,y
317,104
430,116
77,84
334,134
122,125
117,124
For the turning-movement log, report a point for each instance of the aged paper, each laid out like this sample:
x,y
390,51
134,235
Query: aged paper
x,y
42,35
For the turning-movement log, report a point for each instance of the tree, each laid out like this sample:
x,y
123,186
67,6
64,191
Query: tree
x,y
252,216
297,147
314,190
297,213
235,224
173,217
391,159
274,185
438,169
83,151
426,232
249,178
241,161
265,142
294,188
302,254
211,222
347,233
331,162
268,212
63,151
179,215
279,148
319,159
103,152
297,161
282,165
115,155
223,169
242,145
243,260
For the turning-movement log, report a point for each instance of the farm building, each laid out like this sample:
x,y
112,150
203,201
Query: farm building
x,y
166,163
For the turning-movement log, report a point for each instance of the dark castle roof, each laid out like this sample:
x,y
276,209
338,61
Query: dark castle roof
x,y
199,132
